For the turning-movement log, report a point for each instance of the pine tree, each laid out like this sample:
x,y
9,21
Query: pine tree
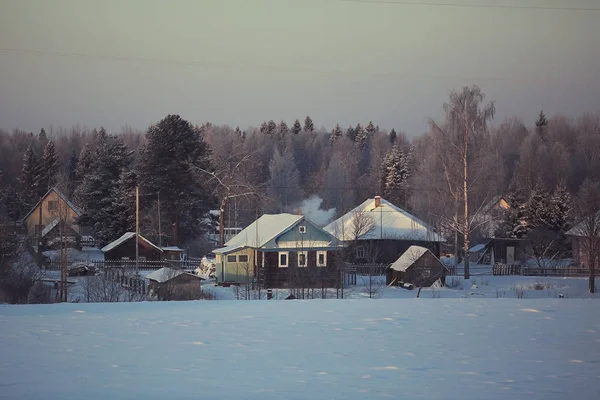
x,y
123,204
238,131
370,128
29,177
350,134
394,176
282,129
393,136
42,140
308,124
561,203
48,170
539,208
72,172
515,224
297,127
541,126
336,134
84,167
360,136
95,194
169,163
271,127
264,127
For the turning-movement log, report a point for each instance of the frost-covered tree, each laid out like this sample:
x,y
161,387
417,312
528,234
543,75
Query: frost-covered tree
x,y
587,229
541,126
360,136
123,204
42,140
394,177
308,124
283,187
95,194
350,133
166,163
336,189
84,163
561,203
263,127
72,172
539,208
282,129
370,129
393,136
48,169
271,127
29,179
336,134
297,127
238,131
515,224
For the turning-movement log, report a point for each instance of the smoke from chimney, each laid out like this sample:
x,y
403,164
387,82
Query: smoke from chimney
x,y
377,201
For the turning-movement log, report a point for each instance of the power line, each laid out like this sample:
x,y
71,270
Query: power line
x,y
471,5
271,68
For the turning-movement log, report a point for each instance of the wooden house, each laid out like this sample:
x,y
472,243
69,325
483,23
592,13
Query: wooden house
x,y
124,249
173,284
52,213
377,231
172,253
280,250
499,250
418,266
580,242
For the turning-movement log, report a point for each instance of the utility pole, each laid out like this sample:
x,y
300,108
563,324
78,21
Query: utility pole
x,y
137,228
159,229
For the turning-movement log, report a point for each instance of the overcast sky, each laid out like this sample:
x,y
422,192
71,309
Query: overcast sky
x,y
240,62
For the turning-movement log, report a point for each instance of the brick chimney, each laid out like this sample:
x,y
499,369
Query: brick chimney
x,y
377,201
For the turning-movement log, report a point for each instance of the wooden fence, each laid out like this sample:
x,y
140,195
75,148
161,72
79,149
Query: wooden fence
x,y
515,269
131,283
506,269
147,265
370,269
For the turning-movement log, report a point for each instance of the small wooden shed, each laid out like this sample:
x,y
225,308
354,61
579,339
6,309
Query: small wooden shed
x,y
172,284
418,266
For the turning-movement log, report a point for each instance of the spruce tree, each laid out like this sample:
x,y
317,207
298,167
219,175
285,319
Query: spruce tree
x,y
515,224
561,204
282,129
370,128
170,163
350,134
84,167
393,136
394,176
72,172
541,126
29,178
42,140
336,134
539,208
263,127
297,127
238,131
284,180
123,204
49,169
360,136
308,124
271,128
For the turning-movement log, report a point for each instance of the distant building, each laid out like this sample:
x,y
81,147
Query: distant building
x,y
417,265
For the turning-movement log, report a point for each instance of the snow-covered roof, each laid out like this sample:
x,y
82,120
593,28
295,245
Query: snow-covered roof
x,y
477,248
408,258
171,248
124,238
62,196
260,232
164,274
581,230
388,221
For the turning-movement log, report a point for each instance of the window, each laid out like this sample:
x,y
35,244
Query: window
x,y
52,205
321,258
360,252
426,273
243,258
283,259
232,259
302,229
302,258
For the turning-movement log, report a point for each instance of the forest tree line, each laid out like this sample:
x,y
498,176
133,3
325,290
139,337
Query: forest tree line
x,y
538,165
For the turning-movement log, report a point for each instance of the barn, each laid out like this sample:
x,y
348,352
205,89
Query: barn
x,y
172,284
417,265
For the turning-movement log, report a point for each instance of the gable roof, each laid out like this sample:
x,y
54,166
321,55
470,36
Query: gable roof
x,y
61,195
409,257
123,239
580,229
260,232
389,222
164,274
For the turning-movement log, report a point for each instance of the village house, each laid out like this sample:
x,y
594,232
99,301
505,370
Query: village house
x,y
54,215
377,231
173,284
580,236
124,249
279,250
499,250
418,266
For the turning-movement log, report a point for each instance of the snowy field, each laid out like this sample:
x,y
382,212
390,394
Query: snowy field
x,y
473,348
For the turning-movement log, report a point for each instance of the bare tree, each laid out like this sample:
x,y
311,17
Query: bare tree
x,y
373,281
466,123
587,231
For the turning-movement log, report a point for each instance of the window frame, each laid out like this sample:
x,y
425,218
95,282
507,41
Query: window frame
x,y
54,204
287,259
324,254
302,229
247,258
234,258
359,252
305,254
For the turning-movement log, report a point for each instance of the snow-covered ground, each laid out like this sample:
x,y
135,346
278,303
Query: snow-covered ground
x,y
335,349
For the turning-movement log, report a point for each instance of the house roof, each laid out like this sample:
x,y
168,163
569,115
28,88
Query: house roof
x,y
124,238
164,274
580,230
171,248
389,222
477,248
62,196
408,258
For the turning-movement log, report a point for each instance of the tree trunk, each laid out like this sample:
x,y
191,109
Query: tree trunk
x,y
466,226
222,222
592,282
